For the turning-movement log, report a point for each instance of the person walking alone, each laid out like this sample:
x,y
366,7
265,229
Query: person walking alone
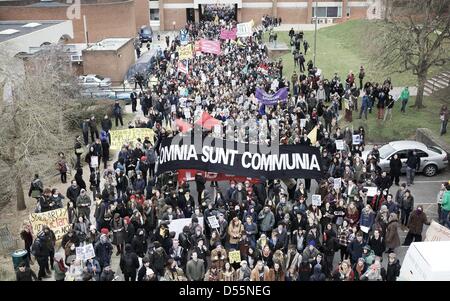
x,y
404,97
117,111
443,116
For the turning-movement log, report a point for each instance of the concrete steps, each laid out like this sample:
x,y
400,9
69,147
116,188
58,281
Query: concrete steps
x,y
437,83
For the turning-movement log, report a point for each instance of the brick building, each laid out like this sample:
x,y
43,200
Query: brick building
x,y
104,18
173,14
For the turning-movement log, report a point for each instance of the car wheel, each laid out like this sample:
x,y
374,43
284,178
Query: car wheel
x,y
430,170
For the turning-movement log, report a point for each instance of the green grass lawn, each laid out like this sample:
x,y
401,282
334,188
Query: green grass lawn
x,y
344,47
403,126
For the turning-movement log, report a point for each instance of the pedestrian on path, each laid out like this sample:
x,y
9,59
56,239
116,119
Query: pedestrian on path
x,y
417,219
443,116
404,97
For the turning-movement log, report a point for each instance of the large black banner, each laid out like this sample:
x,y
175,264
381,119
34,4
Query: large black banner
x,y
249,160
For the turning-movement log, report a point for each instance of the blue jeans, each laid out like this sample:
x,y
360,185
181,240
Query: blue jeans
x,y
444,218
410,173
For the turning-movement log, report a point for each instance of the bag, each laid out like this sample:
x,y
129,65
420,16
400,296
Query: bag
x,y
35,246
79,151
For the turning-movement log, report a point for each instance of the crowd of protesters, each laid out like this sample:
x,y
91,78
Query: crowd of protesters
x,y
279,233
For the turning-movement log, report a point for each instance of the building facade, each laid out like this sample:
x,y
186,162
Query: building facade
x,y
173,14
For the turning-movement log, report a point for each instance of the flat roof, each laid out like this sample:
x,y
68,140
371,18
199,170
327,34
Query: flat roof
x,y
13,29
108,44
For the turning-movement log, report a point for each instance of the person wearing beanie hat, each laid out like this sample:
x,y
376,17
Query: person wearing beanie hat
x,y
393,267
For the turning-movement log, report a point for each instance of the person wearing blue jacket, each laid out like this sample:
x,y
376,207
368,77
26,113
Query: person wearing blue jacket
x,y
355,248
364,106
366,221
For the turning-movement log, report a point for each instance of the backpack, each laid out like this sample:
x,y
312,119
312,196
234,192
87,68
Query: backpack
x,y
35,247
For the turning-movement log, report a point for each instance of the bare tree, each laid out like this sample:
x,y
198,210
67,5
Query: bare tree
x,y
32,118
415,37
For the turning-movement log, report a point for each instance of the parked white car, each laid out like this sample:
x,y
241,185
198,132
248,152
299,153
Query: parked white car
x,y
92,81
432,158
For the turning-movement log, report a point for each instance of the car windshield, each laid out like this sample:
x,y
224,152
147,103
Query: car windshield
x,y
385,151
435,149
100,77
145,31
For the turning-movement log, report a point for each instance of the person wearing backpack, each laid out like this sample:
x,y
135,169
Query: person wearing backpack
x,y
36,188
129,263
117,111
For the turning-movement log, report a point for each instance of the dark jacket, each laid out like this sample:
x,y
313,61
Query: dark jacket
x,y
416,221
317,275
377,245
393,271
129,262
413,161
396,166
355,249
106,124
103,252
27,275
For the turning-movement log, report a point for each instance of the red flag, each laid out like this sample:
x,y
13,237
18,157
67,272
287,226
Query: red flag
x,y
207,121
183,125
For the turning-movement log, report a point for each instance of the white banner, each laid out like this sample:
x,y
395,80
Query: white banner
x,y
244,30
177,225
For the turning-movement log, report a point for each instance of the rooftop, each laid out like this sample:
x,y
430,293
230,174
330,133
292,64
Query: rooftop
x,y
13,29
108,44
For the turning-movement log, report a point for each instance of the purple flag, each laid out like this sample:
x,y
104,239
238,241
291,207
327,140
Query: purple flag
x,y
271,99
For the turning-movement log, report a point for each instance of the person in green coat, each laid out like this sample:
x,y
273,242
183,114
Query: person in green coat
x,y
404,97
445,207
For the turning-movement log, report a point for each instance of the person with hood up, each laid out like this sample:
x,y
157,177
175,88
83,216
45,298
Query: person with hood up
x,y
139,243
317,275
158,259
417,219
103,250
392,238
129,263
393,268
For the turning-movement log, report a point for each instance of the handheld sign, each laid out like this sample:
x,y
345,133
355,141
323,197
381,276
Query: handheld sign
x,y
340,144
371,191
316,199
213,222
356,139
337,183
234,256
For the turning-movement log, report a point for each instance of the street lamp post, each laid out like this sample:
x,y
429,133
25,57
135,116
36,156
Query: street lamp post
x,y
315,35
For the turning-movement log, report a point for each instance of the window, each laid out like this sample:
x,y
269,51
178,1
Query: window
x,y
403,154
154,14
348,11
421,153
327,12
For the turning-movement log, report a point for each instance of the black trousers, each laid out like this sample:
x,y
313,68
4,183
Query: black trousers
x,y
51,257
86,138
395,179
412,237
94,133
133,105
119,118
130,276
64,177
43,266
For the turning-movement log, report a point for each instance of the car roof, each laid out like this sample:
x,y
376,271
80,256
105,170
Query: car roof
x,y
408,144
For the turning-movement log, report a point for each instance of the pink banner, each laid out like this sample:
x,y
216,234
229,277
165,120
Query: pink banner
x,y
228,34
208,46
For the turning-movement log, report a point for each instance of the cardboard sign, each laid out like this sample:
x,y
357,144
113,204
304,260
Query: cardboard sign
x,y
57,220
371,191
94,161
340,144
437,232
185,52
234,256
302,122
85,252
213,222
120,137
356,139
177,225
316,199
337,183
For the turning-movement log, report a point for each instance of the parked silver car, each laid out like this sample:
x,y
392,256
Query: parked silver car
x,y
432,158
93,81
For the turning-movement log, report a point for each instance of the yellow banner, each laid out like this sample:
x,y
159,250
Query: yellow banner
x,y
57,220
234,256
185,52
130,136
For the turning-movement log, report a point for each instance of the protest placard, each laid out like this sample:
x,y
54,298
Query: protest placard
x,y
85,252
337,183
356,139
120,137
234,256
177,225
316,199
213,222
340,144
94,161
185,52
57,220
302,122
371,191
244,30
